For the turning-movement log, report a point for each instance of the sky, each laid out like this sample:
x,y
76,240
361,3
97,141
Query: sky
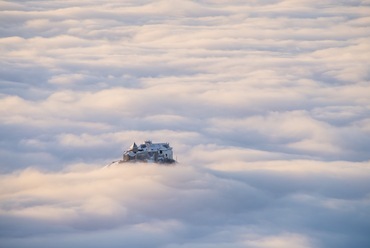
x,y
265,103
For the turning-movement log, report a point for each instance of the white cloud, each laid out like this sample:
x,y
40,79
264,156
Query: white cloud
x,y
265,103
184,204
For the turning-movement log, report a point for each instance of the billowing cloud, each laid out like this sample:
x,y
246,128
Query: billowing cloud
x,y
265,103
250,204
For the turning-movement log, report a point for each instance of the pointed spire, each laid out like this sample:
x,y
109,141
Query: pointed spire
x,y
133,147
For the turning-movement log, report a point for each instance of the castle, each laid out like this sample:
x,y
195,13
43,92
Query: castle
x,y
149,152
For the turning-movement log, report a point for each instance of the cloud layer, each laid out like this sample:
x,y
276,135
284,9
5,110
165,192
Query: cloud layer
x,y
252,204
266,104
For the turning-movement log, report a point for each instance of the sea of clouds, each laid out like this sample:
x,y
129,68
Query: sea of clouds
x,y
266,104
